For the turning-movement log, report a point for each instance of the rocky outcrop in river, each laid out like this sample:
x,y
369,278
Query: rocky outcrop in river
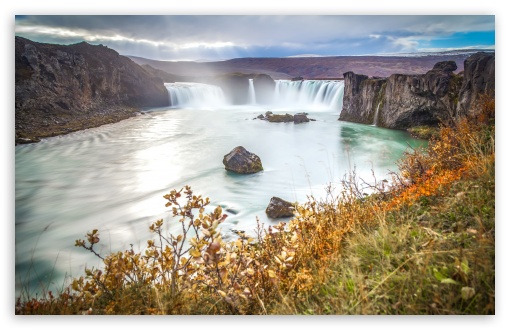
x,y
60,89
403,101
298,118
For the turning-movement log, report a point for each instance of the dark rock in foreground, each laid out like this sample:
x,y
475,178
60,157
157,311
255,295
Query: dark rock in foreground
x,y
240,160
279,208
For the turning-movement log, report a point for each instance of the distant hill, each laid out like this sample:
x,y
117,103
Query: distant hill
x,y
312,67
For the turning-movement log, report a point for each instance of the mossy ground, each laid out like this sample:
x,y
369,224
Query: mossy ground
x,y
423,132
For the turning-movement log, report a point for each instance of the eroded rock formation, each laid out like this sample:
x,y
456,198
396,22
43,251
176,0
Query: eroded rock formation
x,y
479,74
403,101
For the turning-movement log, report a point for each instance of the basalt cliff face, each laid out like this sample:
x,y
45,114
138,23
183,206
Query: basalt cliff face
x,y
403,101
60,89
479,78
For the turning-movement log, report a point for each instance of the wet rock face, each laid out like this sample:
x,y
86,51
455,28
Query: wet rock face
x,y
361,98
241,161
279,208
64,88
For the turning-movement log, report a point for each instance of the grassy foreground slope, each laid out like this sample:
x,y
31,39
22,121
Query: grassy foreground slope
x,y
422,244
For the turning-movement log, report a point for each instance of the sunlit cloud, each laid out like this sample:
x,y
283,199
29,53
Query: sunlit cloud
x,y
204,45
85,35
38,29
406,43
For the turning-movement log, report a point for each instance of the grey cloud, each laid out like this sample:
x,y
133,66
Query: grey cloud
x,y
255,32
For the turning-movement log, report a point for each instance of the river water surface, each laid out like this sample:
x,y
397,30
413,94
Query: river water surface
x,y
113,178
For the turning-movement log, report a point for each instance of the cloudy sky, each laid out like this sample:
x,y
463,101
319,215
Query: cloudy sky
x,y
212,37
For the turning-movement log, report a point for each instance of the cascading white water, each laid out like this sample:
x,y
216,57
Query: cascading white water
x,y
251,93
305,94
376,116
310,93
184,94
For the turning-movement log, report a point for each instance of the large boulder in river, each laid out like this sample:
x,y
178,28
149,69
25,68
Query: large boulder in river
x,y
240,160
279,208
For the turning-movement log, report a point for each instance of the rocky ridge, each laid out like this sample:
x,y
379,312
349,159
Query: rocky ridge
x,y
65,88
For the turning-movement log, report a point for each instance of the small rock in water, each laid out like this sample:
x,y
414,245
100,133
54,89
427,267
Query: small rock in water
x,y
279,208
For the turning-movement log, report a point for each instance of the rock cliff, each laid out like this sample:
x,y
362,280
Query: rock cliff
x,y
64,88
479,78
403,101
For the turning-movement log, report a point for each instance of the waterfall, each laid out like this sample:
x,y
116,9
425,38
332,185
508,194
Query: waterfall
x,y
251,93
184,94
376,116
310,93
304,94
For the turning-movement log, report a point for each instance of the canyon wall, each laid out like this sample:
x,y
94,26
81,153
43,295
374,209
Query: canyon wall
x,y
60,89
403,101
